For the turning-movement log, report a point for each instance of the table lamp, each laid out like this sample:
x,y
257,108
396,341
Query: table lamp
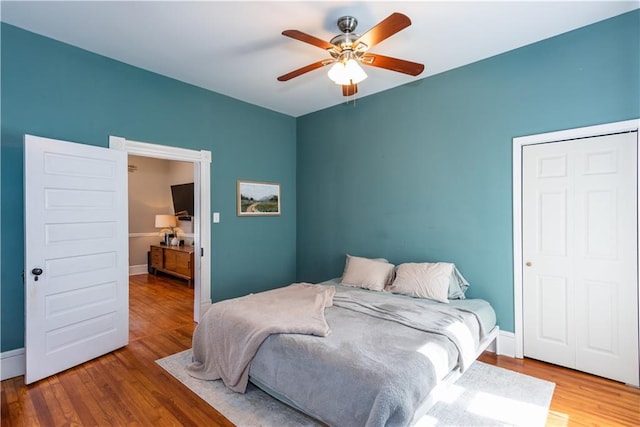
x,y
167,223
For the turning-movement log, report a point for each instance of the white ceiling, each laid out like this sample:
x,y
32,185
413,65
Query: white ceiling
x,y
236,48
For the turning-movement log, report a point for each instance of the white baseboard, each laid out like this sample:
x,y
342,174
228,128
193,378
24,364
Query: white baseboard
x,y
507,344
134,270
12,364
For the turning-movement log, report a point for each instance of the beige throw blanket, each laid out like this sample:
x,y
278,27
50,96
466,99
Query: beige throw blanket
x,y
231,331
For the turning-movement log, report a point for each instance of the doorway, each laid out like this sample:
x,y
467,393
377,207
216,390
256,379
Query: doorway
x,y
160,191
202,207
575,248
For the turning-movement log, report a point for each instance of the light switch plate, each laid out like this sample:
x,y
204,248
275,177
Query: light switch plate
x,y
216,217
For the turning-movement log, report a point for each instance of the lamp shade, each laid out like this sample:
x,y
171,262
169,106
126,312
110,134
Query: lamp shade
x,y
165,221
346,73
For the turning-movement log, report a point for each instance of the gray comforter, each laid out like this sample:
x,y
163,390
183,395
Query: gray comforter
x,y
384,355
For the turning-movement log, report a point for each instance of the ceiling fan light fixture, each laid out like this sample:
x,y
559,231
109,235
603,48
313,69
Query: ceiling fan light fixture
x,y
346,73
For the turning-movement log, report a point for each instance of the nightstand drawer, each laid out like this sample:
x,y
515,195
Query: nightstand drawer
x,y
156,257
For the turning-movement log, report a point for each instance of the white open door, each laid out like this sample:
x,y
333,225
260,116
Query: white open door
x,y
76,254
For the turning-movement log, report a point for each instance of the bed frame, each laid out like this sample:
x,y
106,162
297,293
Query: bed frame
x,y
439,390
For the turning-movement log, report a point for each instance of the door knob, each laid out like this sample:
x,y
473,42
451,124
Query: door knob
x,y
36,272
528,264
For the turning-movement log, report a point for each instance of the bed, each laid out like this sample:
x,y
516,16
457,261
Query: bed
x,y
383,358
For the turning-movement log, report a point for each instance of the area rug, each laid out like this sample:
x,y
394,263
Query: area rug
x,y
485,395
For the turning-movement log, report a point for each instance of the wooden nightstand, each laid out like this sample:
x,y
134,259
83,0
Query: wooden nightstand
x,y
174,260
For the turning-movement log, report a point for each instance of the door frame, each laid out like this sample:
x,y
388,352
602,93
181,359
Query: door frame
x,y
202,229
544,138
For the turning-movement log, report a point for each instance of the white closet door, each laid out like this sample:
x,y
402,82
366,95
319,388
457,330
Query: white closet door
x,y
548,283
580,284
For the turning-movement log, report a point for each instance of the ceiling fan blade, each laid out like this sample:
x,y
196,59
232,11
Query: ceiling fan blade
x,y
394,64
303,37
303,70
348,90
385,29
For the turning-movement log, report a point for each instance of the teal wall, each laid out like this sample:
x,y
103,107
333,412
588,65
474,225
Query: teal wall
x,y
423,172
420,172
58,91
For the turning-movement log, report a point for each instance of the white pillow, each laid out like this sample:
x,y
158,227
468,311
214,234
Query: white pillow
x,y
367,273
423,280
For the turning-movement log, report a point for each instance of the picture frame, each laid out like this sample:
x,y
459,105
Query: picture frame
x,y
256,198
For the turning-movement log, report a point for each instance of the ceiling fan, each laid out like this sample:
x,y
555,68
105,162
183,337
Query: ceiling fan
x,y
348,50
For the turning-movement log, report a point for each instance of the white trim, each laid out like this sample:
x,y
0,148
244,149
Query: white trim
x,y
135,270
503,344
147,149
518,144
506,344
202,230
157,234
202,227
12,364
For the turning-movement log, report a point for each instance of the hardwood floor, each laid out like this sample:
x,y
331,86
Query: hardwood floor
x,y
127,387
579,399
124,387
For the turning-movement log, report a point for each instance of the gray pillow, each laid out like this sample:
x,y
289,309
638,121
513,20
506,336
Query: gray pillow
x,y
457,285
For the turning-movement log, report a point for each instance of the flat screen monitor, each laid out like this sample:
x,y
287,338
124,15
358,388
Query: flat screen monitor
x,y
182,195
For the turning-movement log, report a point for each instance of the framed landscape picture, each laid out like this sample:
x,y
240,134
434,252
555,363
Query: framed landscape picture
x,y
258,198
